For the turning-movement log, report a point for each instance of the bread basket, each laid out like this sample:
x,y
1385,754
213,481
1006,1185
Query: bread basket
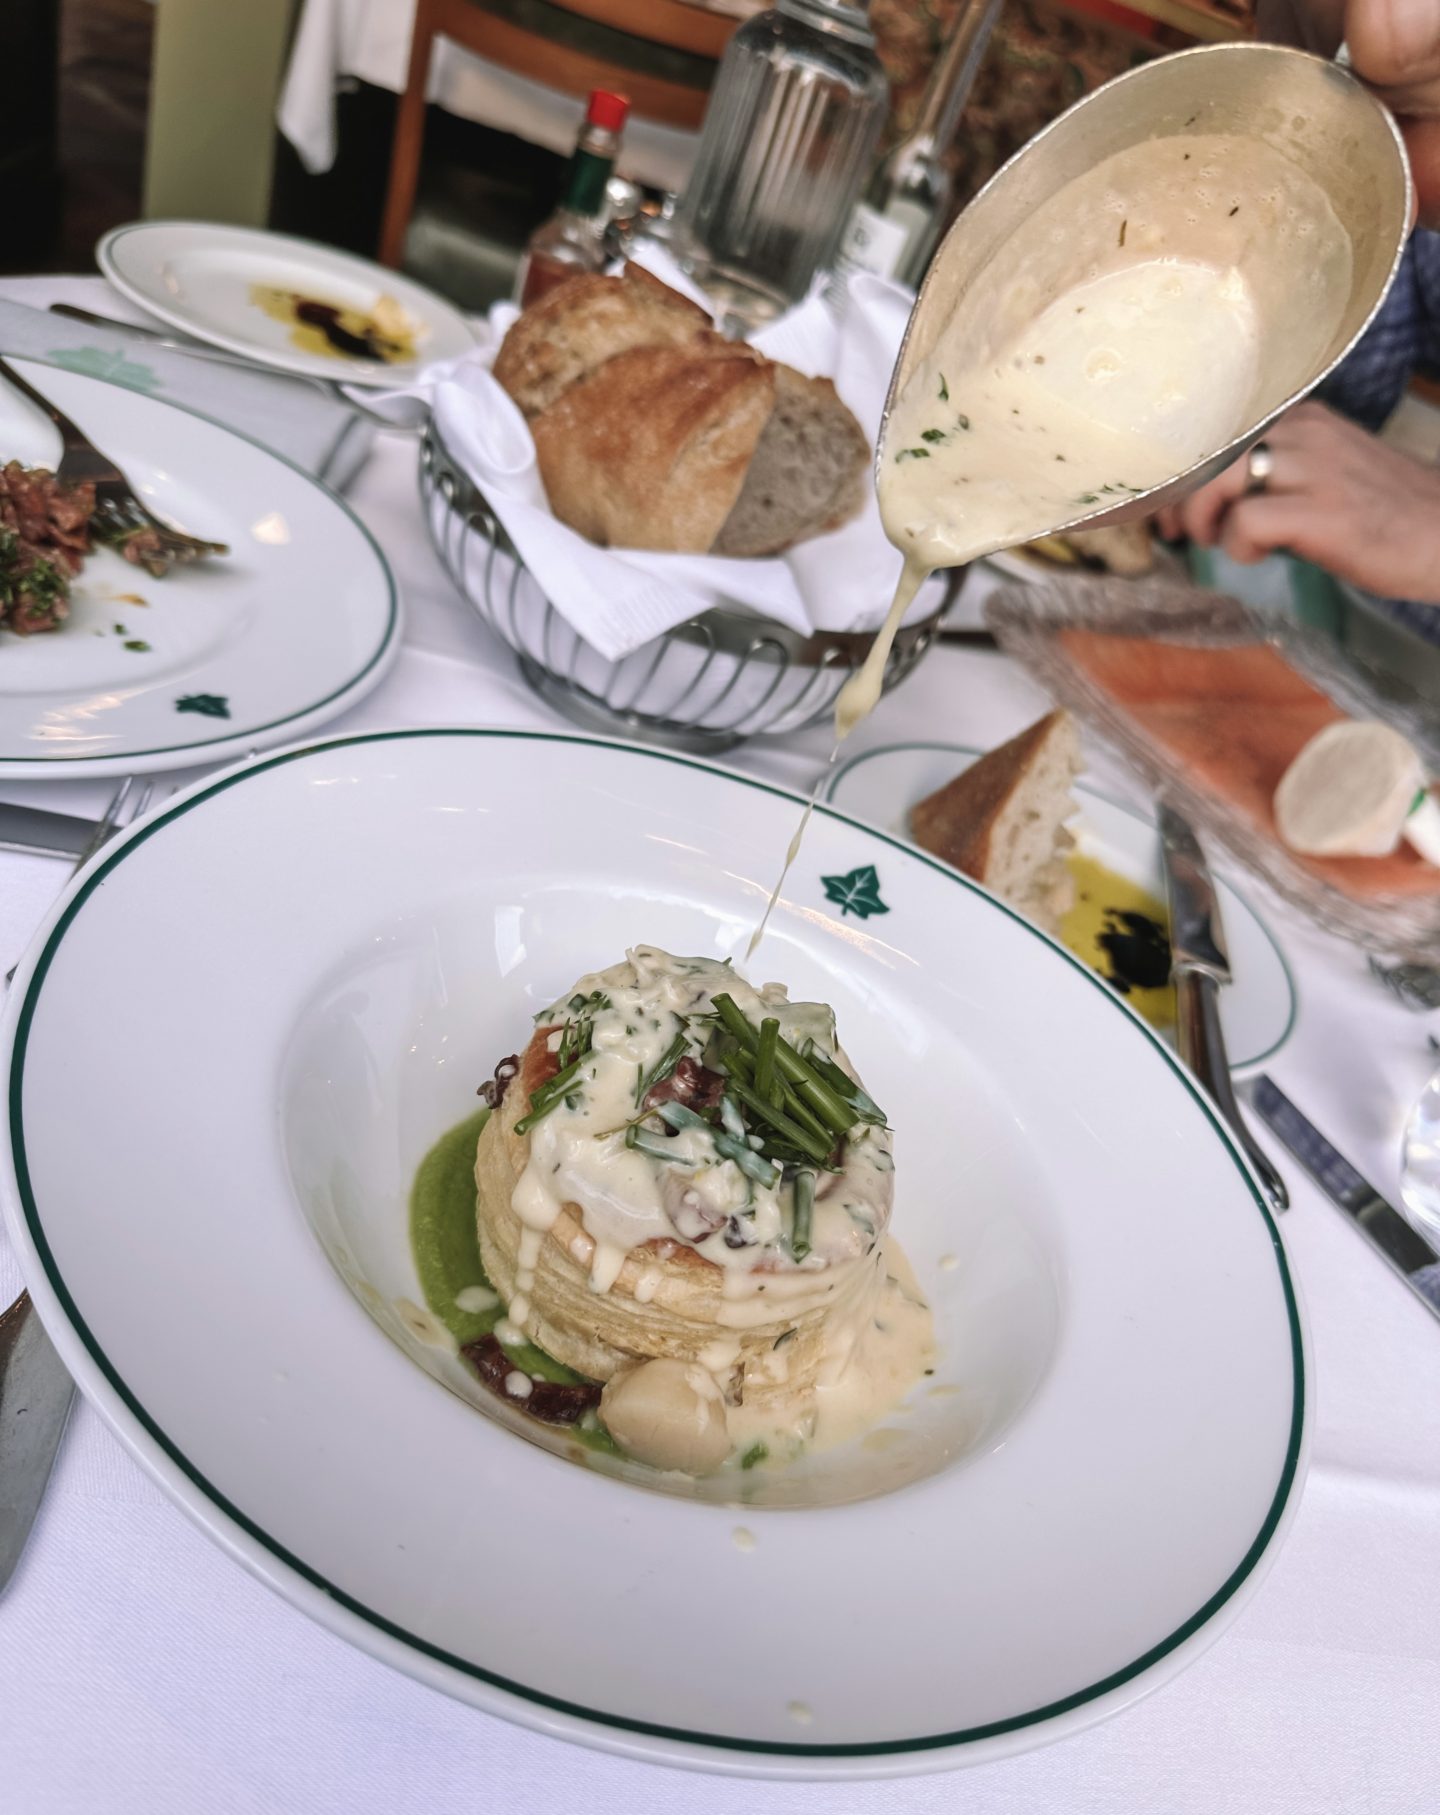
x,y
708,684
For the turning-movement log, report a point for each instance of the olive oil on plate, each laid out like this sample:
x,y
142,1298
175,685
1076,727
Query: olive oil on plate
x,y
1121,930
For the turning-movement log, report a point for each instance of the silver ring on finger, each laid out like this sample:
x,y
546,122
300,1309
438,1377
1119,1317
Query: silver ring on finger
x,y
1259,466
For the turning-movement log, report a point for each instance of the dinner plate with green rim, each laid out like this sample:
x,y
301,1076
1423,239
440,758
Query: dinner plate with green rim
x,y
249,1018
1258,1009
242,651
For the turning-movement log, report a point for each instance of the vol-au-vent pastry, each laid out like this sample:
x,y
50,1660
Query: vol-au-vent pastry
x,y
684,1193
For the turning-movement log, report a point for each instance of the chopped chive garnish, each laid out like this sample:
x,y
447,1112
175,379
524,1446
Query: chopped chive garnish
x,y
944,390
731,1117
782,1124
765,1058
831,1108
752,1164
656,1147
962,422
757,1452
804,1214
663,1066
734,1021
679,1115
846,1088
801,1112
543,1100
932,434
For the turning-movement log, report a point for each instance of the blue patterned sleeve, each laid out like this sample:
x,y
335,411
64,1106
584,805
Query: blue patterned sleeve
x,y
1404,338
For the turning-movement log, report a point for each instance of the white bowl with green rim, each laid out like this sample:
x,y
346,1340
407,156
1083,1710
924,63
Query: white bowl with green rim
x,y
236,1036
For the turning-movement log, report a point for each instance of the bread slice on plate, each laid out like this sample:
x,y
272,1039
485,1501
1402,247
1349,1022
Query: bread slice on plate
x,y
1002,820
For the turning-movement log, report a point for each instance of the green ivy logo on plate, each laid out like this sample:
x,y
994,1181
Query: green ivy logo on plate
x,y
858,893
209,705
95,362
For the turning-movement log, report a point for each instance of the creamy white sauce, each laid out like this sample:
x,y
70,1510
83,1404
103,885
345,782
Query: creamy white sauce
x,y
1123,382
476,1298
578,1153
1113,342
877,1346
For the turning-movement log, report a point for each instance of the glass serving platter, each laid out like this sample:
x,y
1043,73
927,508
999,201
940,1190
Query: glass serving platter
x,y
1343,896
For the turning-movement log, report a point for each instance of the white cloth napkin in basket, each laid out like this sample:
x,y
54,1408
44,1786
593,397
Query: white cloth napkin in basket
x,y
617,600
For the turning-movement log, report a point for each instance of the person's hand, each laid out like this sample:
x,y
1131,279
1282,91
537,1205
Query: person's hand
x,y
1394,48
1336,496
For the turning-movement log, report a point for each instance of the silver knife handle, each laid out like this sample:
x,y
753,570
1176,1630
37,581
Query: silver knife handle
x,y
1201,1046
35,1395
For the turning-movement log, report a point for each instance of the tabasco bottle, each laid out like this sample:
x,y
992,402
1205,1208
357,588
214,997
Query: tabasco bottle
x,y
573,239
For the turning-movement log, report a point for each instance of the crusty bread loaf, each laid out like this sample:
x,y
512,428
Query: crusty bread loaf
x,y
651,450
573,329
653,431
1002,820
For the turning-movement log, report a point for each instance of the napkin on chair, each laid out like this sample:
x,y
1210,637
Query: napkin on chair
x,y
619,599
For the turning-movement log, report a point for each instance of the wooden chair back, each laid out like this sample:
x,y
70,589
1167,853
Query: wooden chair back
x,y
506,35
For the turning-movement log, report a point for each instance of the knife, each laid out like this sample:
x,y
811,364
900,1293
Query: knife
x,y
35,1395
1380,1223
35,1389
38,830
1198,969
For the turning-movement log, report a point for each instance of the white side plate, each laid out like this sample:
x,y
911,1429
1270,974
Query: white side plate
x,y
298,622
198,277
1257,1011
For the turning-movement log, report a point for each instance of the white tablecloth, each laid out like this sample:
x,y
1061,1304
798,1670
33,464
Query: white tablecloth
x,y
143,1673
337,40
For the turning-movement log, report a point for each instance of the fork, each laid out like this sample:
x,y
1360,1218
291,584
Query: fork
x,y
106,826
119,514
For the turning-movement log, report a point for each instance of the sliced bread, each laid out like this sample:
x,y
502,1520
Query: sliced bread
x,y
1002,820
807,474
653,431
576,327
652,449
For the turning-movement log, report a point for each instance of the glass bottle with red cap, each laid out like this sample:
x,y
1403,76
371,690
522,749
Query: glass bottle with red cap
x,y
573,239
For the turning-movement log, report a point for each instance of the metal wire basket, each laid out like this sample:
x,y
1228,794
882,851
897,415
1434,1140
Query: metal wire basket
x,y
707,684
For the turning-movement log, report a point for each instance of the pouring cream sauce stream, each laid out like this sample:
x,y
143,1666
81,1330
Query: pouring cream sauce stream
x,y
1129,376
